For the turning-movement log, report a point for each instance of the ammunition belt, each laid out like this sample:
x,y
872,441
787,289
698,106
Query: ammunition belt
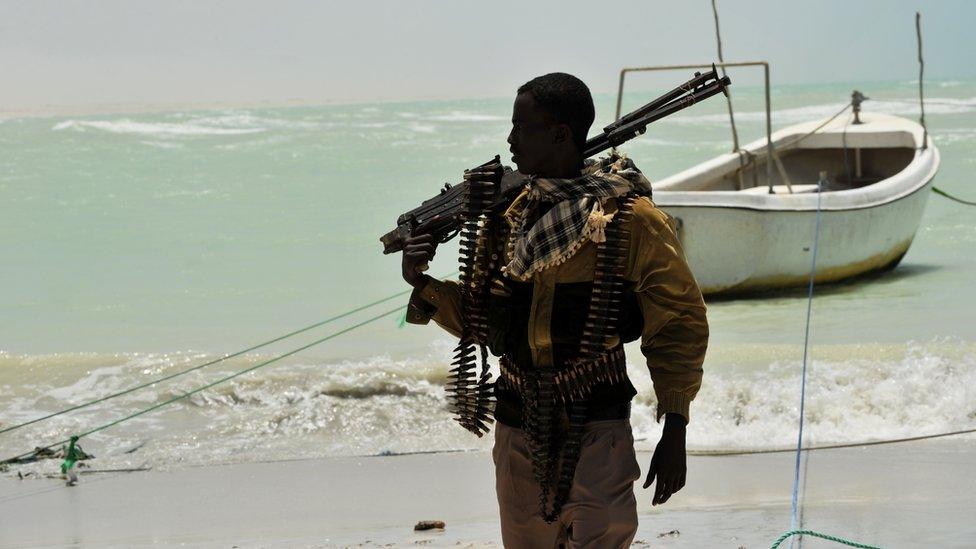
x,y
573,383
606,299
542,389
552,448
470,393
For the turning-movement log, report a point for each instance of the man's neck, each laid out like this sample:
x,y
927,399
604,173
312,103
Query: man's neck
x,y
570,168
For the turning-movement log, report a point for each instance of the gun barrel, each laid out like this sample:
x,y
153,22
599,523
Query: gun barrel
x,y
685,88
637,126
601,142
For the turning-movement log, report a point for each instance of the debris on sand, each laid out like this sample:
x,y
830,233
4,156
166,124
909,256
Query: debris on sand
x,y
429,525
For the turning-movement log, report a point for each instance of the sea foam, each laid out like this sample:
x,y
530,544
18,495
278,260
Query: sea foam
x,y
380,405
460,116
157,129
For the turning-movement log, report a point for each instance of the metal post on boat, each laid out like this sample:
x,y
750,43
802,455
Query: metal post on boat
x,y
728,96
770,150
770,153
856,99
921,72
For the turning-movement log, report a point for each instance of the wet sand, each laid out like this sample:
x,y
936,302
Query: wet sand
x,y
919,494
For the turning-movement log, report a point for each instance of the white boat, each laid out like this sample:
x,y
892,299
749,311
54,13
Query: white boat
x,y
748,227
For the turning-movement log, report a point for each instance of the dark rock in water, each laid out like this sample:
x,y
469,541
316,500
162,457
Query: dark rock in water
x,y
671,534
40,453
429,525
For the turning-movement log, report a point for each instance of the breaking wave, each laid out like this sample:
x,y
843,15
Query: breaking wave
x,y
459,116
157,129
380,405
181,124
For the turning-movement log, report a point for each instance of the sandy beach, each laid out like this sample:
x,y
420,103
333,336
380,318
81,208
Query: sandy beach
x,y
918,494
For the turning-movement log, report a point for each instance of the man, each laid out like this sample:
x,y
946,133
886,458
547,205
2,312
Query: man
x,y
554,232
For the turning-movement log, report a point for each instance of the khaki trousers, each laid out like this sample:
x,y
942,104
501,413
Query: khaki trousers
x,y
601,511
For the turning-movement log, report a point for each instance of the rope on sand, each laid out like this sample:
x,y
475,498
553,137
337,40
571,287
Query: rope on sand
x,y
823,536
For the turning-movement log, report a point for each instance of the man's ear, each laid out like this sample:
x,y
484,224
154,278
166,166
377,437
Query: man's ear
x,y
561,133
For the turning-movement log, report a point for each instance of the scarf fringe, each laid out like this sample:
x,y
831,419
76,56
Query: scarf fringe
x,y
557,236
591,231
559,260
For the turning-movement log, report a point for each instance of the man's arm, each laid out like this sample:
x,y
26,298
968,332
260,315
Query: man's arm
x,y
675,333
437,300
674,338
431,298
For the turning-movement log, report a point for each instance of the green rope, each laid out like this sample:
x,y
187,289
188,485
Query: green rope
x,y
937,190
823,536
209,385
71,456
212,362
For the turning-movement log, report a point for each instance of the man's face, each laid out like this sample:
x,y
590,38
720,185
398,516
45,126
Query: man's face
x,y
533,139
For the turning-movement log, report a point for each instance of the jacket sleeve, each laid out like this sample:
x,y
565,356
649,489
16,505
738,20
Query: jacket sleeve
x,y
439,300
675,333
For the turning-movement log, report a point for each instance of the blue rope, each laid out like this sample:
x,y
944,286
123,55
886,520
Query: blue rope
x,y
806,347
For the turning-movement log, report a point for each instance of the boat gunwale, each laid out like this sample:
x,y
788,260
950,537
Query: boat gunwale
x,y
805,201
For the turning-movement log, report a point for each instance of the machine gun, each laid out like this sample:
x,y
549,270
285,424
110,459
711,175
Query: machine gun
x,y
441,215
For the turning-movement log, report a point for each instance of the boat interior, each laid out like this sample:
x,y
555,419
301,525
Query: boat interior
x,y
797,169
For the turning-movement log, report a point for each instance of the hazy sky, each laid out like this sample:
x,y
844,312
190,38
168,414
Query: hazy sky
x,y
82,52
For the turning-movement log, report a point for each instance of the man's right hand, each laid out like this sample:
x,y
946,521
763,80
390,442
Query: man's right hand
x,y
417,252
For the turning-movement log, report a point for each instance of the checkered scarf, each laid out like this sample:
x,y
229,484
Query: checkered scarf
x,y
539,241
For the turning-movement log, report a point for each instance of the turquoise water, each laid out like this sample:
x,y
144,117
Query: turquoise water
x,y
137,244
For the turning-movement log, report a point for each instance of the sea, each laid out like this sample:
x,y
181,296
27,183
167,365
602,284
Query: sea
x,y
134,246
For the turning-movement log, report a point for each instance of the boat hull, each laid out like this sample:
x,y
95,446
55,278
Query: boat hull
x,y
746,241
740,251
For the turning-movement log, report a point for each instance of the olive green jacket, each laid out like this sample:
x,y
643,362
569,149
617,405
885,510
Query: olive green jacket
x,y
675,333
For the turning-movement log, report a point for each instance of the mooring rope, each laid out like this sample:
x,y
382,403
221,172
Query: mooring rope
x,y
939,191
217,382
208,385
818,128
806,347
724,453
212,362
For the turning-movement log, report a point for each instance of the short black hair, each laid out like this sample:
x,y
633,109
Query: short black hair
x,y
567,99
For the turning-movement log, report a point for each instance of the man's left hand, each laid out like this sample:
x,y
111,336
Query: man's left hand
x,y
669,463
